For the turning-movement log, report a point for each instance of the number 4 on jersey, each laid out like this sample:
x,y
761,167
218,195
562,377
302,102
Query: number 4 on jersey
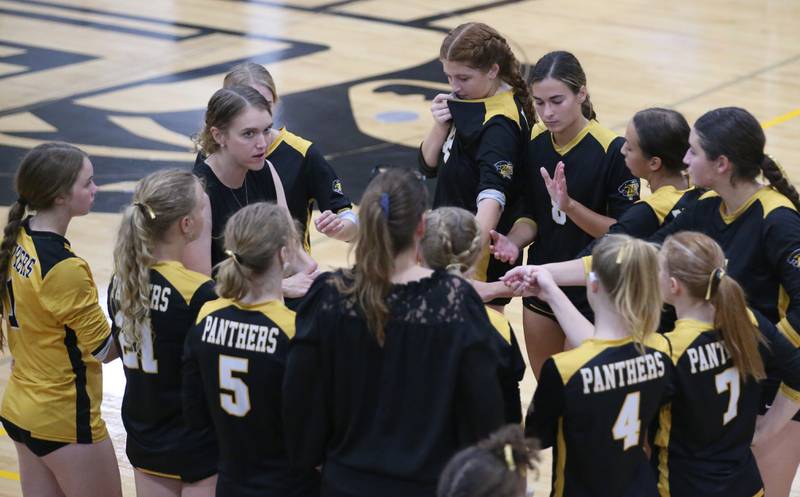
x,y
628,425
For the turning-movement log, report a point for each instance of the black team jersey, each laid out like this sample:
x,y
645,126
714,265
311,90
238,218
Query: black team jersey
x,y
307,179
225,202
702,446
483,152
384,420
159,440
55,326
596,177
512,365
593,405
761,241
232,376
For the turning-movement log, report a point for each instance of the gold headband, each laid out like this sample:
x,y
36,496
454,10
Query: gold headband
x,y
717,274
146,209
509,453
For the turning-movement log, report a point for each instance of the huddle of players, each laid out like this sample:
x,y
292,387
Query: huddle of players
x,y
214,388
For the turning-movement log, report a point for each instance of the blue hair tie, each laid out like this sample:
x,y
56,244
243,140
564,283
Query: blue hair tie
x,y
384,201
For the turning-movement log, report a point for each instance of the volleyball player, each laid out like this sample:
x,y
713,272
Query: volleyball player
x,y
721,355
235,357
306,176
393,366
153,301
452,242
495,467
569,148
57,333
758,228
593,403
476,144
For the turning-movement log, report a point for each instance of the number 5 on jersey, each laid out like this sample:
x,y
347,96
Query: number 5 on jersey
x,y
628,425
236,403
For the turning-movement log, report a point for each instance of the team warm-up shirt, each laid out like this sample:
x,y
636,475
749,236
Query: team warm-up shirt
x,y
232,376
483,152
593,405
158,436
761,241
596,177
225,202
703,441
307,178
55,327
512,365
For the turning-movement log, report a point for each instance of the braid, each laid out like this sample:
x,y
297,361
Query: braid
x,y
778,180
510,73
463,260
10,233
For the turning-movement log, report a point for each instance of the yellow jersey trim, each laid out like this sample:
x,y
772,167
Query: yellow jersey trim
x,y
663,200
537,129
500,324
501,104
788,331
156,473
482,266
600,133
528,221
587,265
790,392
769,198
561,462
184,280
277,141
300,144
275,310
662,441
684,334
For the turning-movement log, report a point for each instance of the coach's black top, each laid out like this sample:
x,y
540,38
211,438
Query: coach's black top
x,y
593,405
307,178
233,368
225,202
703,441
384,420
158,437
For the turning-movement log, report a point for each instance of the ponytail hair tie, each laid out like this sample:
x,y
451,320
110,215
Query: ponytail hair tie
x,y
509,453
385,204
715,276
146,210
233,255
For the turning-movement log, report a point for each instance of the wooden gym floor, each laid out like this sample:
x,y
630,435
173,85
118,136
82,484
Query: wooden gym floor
x,y
128,82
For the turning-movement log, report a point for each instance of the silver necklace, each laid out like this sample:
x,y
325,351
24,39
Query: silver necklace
x,y
246,200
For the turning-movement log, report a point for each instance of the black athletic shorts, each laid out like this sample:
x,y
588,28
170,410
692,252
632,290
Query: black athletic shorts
x,y
39,447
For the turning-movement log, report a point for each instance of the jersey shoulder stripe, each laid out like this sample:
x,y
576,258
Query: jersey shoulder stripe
x,y
502,104
663,201
185,281
604,136
296,142
684,335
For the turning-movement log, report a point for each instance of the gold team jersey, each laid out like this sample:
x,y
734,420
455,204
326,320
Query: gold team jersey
x,y
55,325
